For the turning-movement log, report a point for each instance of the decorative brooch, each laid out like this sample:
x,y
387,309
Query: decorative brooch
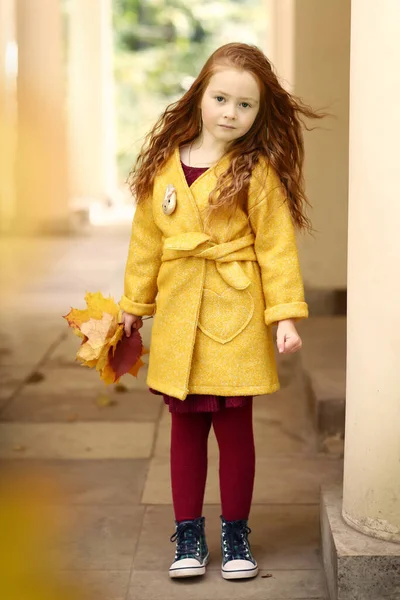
x,y
169,202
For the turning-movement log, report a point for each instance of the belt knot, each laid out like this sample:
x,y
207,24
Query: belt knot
x,y
226,255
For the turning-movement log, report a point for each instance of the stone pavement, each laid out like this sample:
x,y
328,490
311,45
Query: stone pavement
x,y
106,449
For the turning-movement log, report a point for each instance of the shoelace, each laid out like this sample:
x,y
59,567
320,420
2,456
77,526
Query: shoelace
x,y
235,534
187,536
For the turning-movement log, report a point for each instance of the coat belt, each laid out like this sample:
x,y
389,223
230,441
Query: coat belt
x,y
226,255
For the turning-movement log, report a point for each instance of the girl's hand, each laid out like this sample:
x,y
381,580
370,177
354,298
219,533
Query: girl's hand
x,y
131,322
288,340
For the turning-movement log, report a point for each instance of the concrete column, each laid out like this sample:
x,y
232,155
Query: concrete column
x,y
371,501
91,100
8,73
42,170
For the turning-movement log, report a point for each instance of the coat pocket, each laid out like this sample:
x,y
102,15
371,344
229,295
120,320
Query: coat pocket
x,y
223,316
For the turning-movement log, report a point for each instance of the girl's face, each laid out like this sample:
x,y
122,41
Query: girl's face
x,y
230,104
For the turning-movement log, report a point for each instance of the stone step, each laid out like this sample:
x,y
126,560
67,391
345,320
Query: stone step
x,y
323,358
357,566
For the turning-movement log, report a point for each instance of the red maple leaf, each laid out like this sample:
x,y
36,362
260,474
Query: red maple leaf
x,y
127,353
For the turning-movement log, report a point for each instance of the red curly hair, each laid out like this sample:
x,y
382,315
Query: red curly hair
x,y
276,134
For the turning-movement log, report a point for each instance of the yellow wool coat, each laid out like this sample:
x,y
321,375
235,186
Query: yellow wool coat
x,y
214,298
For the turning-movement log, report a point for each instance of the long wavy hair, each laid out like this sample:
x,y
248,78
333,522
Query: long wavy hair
x,y
276,134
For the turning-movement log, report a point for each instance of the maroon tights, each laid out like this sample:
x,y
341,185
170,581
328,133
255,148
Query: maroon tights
x,y
233,429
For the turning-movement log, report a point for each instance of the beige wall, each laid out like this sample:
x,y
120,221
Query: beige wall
x,y
310,47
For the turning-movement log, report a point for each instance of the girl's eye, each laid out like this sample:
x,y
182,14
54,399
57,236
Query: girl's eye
x,y
219,98
246,105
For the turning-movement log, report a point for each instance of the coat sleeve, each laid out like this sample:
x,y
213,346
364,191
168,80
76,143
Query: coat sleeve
x,y
143,263
276,248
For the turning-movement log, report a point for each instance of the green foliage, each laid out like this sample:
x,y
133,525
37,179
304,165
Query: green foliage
x,y
160,46
140,24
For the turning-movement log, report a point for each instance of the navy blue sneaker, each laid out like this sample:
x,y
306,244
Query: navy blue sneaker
x,y
191,554
237,559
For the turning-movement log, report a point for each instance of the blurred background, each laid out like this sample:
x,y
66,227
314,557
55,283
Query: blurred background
x,y
102,77
81,83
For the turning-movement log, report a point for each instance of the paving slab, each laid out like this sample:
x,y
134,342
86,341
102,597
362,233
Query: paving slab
x,y
11,379
52,263
85,482
25,340
79,395
99,537
76,440
274,585
281,480
283,537
102,455
97,585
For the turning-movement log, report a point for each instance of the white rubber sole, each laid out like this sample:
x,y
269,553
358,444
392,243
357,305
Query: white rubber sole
x,y
189,570
240,573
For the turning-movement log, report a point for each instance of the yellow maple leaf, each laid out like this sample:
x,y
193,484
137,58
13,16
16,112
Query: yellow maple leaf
x,y
97,330
107,375
119,332
96,306
100,328
88,363
78,333
98,333
135,369
87,354
76,317
103,358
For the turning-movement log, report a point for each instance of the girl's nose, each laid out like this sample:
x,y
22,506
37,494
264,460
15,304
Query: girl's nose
x,y
230,112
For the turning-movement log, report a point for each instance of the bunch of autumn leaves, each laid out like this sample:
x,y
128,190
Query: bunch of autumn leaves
x,y
104,344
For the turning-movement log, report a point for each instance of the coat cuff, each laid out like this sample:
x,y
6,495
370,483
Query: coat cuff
x,y
135,308
294,310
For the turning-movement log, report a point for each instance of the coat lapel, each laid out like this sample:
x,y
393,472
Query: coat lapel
x,y
200,189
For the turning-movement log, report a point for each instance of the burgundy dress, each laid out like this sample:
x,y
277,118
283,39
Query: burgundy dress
x,y
197,402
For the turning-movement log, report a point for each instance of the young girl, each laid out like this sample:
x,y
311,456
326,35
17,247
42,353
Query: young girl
x,y
213,257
